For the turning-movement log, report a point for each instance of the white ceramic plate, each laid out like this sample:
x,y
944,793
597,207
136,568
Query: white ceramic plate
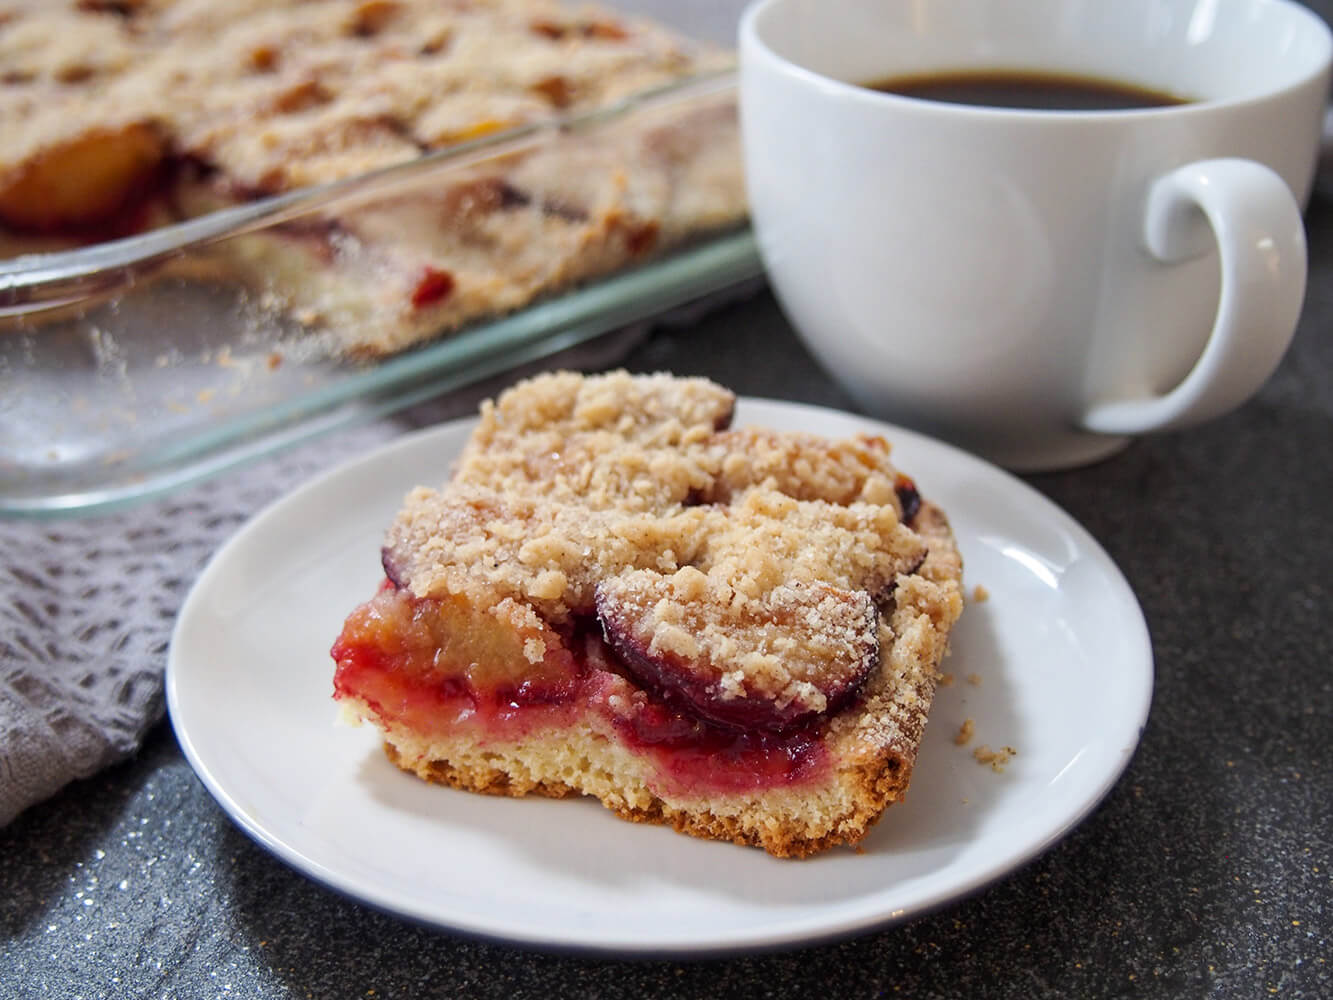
x,y
1058,656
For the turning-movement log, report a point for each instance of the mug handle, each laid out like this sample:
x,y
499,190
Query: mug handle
x,y
1260,240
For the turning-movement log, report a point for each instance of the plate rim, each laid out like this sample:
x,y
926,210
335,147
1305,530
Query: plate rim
x,y
801,931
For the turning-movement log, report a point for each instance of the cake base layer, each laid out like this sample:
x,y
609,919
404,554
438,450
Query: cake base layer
x,y
785,822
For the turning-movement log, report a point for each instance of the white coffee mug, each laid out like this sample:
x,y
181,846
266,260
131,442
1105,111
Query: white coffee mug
x,y
1035,285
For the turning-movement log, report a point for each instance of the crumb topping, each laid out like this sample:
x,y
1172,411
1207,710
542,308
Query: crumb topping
x,y
738,565
612,443
794,645
805,467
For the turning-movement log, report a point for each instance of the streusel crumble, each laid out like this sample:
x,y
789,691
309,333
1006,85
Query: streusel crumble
x,y
734,632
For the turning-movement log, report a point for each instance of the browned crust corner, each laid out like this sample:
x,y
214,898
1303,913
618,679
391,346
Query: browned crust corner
x,y
881,782
483,780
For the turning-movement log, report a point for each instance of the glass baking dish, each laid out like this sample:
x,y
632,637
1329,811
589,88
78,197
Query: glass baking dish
x,y
130,368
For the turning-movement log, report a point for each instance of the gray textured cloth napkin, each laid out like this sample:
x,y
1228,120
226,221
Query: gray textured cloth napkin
x,y
86,611
87,605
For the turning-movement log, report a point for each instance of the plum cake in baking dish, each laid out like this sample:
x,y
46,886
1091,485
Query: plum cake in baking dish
x,y
120,117
730,630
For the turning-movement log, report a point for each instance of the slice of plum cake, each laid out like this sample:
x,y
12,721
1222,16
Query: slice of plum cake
x,y
735,632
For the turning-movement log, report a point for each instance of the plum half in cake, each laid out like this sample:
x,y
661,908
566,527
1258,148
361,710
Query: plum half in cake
x,y
735,632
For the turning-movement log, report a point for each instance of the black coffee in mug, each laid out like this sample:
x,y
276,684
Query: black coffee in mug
x,y
1027,90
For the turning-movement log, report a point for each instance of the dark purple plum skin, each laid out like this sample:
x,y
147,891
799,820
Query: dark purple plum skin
x,y
909,497
392,570
692,688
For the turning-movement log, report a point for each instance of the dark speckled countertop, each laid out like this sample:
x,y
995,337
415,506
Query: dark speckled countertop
x,y
1206,872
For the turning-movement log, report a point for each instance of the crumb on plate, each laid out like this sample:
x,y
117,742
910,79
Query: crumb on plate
x,y
997,759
